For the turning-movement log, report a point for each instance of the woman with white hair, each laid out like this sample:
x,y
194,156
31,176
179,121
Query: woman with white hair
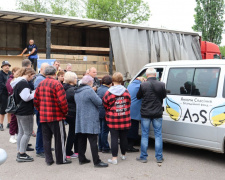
x,y
70,79
87,121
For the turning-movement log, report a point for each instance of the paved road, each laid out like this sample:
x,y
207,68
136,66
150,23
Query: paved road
x,y
180,163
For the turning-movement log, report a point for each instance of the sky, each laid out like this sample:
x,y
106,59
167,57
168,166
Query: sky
x,y
169,14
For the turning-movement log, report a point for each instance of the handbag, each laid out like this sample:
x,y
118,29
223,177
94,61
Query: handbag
x,y
11,105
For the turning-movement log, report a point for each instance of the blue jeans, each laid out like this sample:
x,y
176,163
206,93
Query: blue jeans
x,y
103,135
145,128
39,139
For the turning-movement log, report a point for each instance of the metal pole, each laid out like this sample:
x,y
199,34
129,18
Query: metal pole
x,y
48,39
110,57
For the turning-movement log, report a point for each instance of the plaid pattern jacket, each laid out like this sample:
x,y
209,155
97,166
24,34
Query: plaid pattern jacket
x,y
117,110
50,100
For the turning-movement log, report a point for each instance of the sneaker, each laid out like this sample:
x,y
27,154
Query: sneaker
x,y
41,155
24,158
29,149
112,161
12,139
130,150
101,165
16,135
65,162
160,161
142,160
1,127
8,125
50,163
68,157
86,161
123,157
74,156
106,151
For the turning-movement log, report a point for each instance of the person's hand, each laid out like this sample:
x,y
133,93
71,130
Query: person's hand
x,y
94,88
20,55
27,55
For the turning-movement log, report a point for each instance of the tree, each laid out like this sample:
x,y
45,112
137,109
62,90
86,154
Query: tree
x,y
59,7
125,11
222,50
33,6
209,19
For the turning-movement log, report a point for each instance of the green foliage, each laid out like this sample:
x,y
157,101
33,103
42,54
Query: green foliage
x,y
125,11
222,50
59,7
33,6
209,19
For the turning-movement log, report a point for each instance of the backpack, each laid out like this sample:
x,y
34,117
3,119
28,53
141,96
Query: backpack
x,y
11,105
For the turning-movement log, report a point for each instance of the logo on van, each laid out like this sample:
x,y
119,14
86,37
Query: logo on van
x,y
217,115
173,109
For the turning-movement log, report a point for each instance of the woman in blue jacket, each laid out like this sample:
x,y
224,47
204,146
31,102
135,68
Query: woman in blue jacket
x,y
134,113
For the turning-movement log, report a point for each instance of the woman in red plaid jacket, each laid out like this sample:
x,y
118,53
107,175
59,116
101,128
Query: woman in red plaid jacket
x,y
117,103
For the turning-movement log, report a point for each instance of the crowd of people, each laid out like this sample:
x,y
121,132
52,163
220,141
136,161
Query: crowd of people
x,y
92,109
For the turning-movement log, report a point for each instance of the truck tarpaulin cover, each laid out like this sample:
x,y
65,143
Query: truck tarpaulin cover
x,y
134,48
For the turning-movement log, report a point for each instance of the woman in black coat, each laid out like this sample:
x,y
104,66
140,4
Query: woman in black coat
x,y
70,80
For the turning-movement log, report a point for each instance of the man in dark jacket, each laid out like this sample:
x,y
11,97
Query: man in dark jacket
x,y
93,74
39,139
103,145
152,93
32,50
4,75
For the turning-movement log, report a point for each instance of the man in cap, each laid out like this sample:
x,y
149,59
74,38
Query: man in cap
x,y
4,75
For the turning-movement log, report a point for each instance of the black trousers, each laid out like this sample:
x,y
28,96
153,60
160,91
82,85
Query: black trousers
x,y
3,103
115,135
82,146
72,140
133,133
57,129
34,63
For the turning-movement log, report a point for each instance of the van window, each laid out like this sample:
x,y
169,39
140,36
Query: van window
x,y
158,76
193,81
179,80
205,82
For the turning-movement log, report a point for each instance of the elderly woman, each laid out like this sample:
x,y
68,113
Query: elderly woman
x,y
117,104
87,121
134,113
70,79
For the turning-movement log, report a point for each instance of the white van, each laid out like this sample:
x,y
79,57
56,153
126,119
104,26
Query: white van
x,y
194,109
